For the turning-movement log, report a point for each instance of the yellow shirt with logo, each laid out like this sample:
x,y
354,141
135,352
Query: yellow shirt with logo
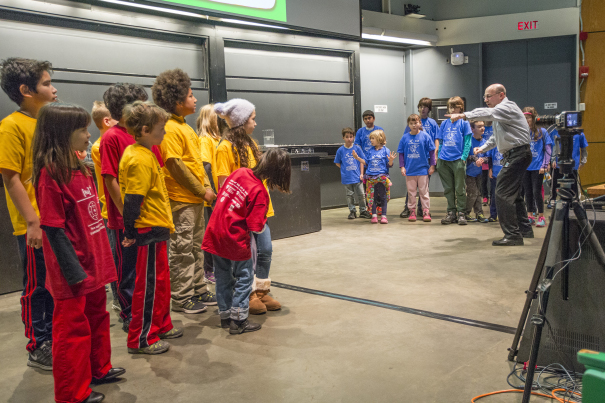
x,y
226,164
140,174
182,142
16,138
96,159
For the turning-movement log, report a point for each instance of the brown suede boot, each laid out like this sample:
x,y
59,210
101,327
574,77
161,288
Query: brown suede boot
x,y
256,305
262,291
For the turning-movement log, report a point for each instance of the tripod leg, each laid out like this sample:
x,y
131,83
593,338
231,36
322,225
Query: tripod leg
x,y
587,229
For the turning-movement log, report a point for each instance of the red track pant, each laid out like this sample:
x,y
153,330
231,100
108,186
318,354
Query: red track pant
x,y
81,346
151,298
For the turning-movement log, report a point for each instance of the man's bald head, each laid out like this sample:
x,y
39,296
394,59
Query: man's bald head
x,y
494,94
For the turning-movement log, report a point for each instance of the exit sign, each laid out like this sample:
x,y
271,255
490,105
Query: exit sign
x,y
527,25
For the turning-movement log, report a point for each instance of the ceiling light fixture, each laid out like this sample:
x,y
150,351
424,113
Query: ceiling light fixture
x,y
395,39
256,24
161,9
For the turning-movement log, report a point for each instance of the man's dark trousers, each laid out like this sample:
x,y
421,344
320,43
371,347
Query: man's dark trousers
x,y
512,212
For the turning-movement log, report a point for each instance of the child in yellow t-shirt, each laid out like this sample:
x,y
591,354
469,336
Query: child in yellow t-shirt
x,y
147,225
208,132
238,149
27,82
188,187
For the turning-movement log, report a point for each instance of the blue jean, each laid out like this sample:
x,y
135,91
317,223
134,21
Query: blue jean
x,y
355,191
492,198
233,287
264,250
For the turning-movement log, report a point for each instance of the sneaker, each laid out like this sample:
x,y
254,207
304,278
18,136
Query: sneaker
x,y
532,220
550,205
365,214
405,213
191,306
412,216
173,333
481,218
541,222
485,201
209,278
374,220
206,298
450,218
492,219
42,357
352,215
384,220
115,305
379,210
226,323
126,325
469,218
158,347
461,219
426,216
243,326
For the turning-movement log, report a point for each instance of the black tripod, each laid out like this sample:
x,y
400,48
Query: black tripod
x,y
557,238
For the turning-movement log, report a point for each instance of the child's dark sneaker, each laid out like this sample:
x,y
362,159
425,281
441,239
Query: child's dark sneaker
x,y
352,215
173,333
206,298
405,213
42,357
126,325
492,219
450,218
158,347
461,219
243,326
191,306
226,323
469,218
365,214
481,218
412,216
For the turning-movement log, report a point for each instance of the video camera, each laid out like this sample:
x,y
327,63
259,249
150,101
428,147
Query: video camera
x,y
564,120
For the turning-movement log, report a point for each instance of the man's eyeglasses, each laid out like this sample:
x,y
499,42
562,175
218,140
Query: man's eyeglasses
x,y
488,96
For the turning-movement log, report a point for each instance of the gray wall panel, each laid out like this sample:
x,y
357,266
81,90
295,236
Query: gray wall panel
x,y
235,84
506,63
262,64
300,119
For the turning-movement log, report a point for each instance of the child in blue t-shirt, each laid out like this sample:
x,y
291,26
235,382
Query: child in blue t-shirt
x,y
454,147
494,159
417,161
425,106
362,138
350,160
489,131
579,156
474,169
379,159
541,149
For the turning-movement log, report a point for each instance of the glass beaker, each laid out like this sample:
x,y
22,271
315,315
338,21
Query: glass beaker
x,y
268,137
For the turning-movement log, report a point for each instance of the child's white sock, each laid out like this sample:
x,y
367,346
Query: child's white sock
x,y
374,215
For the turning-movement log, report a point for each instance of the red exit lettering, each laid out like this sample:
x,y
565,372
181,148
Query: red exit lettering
x,y
527,25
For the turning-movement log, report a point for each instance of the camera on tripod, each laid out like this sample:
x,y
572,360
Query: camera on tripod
x,y
564,120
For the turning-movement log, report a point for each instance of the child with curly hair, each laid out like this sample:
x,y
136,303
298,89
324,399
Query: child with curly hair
x,y
379,159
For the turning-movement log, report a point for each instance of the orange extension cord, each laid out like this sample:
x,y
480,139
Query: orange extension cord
x,y
553,396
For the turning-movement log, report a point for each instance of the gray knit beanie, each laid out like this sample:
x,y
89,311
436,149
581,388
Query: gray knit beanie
x,y
236,111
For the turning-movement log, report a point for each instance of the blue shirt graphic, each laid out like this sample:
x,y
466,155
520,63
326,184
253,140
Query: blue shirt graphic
x,y
429,125
496,157
350,170
489,131
362,138
452,139
471,168
579,141
538,148
378,161
416,149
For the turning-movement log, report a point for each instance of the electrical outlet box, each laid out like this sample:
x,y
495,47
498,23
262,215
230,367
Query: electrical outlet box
x,y
582,107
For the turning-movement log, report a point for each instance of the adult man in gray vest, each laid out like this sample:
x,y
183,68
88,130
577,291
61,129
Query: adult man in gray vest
x,y
511,136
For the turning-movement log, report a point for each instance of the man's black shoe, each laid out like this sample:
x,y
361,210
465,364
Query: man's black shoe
x,y
405,213
352,215
528,234
508,242
111,374
94,397
243,326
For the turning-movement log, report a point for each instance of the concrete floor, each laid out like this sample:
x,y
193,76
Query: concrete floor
x,y
332,350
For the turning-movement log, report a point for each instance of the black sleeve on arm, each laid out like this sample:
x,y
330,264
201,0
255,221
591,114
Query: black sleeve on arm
x,y
132,211
66,255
